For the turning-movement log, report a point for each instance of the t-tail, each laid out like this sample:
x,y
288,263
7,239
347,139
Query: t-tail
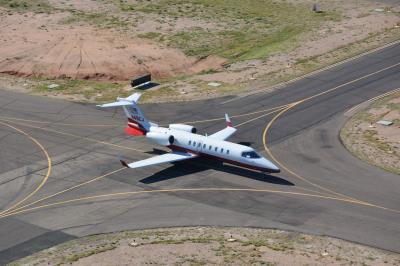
x,y
138,125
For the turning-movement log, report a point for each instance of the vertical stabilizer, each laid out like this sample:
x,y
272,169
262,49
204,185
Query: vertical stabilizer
x,y
137,122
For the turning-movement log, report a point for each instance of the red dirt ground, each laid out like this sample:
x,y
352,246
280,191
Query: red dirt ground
x,y
34,45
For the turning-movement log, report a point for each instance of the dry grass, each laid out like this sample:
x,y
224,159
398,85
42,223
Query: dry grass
x,y
200,246
374,145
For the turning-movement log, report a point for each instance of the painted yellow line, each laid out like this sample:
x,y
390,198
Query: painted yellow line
x,y
267,128
7,118
128,148
258,117
234,116
349,82
44,180
93,180
64,191
73,135
57,123
129,193
282,166
285,83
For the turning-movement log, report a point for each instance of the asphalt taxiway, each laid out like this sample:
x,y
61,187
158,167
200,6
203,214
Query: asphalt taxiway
x,y
61,179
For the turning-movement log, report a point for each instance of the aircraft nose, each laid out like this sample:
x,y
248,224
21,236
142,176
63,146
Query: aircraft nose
x,y
271,167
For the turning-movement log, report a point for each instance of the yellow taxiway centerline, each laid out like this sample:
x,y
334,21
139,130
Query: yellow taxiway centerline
x,y
269,125
73,135
119,194
64,191
57,123
234,116
44,180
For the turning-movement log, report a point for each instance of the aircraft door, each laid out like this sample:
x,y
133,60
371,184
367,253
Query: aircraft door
x,y
199,146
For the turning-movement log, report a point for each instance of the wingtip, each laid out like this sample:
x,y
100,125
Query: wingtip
x,y
228,121
124,163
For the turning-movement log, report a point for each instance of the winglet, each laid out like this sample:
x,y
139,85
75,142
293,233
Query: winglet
x,y
124,163
228,121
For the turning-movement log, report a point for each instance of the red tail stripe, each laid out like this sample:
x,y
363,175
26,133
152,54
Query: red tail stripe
x,y
134,131
135,124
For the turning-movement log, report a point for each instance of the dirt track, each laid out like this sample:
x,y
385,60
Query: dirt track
x,y
105,42
33,45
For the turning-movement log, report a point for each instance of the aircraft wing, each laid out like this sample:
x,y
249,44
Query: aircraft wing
x,y
226,132
165,158
223,134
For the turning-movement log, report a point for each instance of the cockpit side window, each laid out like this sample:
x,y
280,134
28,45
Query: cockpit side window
x,y
250,154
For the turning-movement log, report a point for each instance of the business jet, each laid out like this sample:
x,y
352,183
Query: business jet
x,y
185,144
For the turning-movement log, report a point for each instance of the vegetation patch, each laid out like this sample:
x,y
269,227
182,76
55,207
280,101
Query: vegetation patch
x,y
376,144
307,65
99,19
38,6
91,90
256,28
209,246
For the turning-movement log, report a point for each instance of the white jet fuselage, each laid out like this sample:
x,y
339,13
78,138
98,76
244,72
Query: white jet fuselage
x,y
179,140
185,143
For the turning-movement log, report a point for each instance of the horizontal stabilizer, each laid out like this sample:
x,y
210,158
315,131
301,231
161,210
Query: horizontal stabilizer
x,y
123,101
114,104
134,97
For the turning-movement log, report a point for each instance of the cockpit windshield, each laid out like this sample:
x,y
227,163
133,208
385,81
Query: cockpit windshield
x,y
250,154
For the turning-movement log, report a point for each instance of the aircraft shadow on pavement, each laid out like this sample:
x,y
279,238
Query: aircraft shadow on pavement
x,y
156,152
246,143
197,165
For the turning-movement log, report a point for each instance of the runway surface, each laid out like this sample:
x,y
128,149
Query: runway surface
x,y
61,179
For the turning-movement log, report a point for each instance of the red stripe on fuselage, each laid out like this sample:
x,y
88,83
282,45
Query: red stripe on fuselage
x,y
178,148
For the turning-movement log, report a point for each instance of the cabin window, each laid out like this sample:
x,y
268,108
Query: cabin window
x,y
204,146
250,154
199,145
194,143
210,147
190,142
216,149
227,151
222,150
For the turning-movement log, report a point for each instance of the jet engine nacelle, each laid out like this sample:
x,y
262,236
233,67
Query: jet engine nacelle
x,y
161,138
183,127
